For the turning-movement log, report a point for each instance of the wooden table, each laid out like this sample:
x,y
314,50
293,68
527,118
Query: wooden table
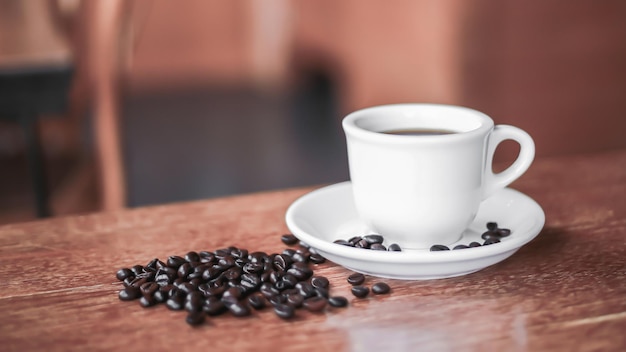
x,y
566,290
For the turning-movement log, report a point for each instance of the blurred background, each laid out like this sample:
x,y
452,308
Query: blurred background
x,y
113,104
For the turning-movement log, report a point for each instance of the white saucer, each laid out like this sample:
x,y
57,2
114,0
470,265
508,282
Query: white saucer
x,y
328,214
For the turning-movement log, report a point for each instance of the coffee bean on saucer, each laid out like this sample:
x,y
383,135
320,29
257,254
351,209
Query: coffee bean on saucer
x,y
380,288
491,226
439,247
289,239
503,232
371,239
474,244
354,240
490,234
460,246
491,241
343,243
378,247
356,279
360,291
394,248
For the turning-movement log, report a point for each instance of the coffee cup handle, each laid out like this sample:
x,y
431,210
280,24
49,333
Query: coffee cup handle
x,y
496,181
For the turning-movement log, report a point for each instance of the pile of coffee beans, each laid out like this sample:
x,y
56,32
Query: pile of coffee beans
x,y
493,235
373,241
236,281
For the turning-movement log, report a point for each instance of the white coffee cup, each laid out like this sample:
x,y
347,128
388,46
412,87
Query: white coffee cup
x,y
421,190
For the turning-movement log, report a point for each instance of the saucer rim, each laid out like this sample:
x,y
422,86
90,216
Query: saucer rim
x,y
411,256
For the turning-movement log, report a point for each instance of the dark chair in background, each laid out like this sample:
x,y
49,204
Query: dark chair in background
x,y
36,71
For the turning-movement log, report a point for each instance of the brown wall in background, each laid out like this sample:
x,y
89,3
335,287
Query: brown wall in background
x,y
554,68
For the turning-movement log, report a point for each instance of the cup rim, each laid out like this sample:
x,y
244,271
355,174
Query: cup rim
x,y
351,127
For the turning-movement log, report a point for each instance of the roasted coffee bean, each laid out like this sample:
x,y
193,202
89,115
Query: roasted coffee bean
x,y
284,311
474,244
380,288
256,301
137,269
232,273
175,303
289,281
194,301
124,273
129,293
175,261
460,246
289,239
362,244
319,282
147,301
192,257
282,285
360,291
184,270
214,307
129,280
148,288
206,257
277,299
322,292
491,241
490,235
152,265
503,232
354,240
252,268
306,289
302,256
338,301
239,309
250,281
295,299
268,290
316,258
315,304
371,239
343,243
288,252
226,262
301,271
195,318
439,247
282,262
394,248
356,279
160,296
378,247
491,226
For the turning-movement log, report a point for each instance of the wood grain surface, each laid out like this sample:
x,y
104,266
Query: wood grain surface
x,y
566,290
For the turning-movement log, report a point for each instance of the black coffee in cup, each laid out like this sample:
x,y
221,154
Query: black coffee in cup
x,y
419,132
